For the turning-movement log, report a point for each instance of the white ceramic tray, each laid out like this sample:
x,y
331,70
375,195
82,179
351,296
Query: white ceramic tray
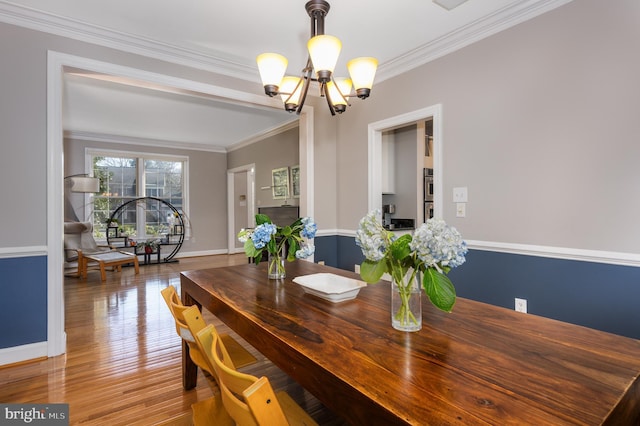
x,y
331,287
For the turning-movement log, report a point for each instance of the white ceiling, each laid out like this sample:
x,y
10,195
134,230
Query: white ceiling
x,y
225,37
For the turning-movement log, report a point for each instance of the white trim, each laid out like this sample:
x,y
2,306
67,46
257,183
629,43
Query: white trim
x,y
56,336
507,17
563,253
251,202
130,140
23,353
265,134
240,68
30,251
200,253
56,64
375,154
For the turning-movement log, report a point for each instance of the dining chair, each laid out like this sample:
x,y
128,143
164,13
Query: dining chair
x,y
240,356
249,400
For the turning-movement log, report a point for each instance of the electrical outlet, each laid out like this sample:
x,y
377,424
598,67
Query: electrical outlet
x,y
521,305
320,262
357,269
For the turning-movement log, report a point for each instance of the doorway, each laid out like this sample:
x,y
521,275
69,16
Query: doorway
x,y
418,118
240,203
57,65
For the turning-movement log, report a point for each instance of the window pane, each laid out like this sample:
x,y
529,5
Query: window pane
x,y
118,185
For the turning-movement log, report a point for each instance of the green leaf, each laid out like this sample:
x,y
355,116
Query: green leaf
x,y
286,231
293,248
440,289
249,249
262,218
400,247
371,272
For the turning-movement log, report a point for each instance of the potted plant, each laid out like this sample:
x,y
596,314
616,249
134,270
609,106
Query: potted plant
x,y
149,246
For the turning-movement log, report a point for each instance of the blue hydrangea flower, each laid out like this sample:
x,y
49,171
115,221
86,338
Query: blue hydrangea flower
x,y
305,251
310,228
262,234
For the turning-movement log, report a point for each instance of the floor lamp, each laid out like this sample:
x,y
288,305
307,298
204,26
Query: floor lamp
x,y
80,183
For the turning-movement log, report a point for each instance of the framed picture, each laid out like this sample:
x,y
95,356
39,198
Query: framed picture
x,y
295,181
280,183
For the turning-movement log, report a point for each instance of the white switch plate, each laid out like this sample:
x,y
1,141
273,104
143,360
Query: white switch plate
x,y
461,209
460,194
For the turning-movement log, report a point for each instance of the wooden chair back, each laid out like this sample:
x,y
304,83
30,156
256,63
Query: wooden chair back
x,y
185,332
203,335
247,399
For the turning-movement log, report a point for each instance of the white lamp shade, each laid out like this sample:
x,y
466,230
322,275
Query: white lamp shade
x,y
287,88
272,67
324,51
362,72
84,184
344,84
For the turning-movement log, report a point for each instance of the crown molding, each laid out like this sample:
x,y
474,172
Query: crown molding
x,y
492,24
58,25
54,24
132,140
266,134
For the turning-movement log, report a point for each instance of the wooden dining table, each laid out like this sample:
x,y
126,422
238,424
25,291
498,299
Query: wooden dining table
x,y
478,365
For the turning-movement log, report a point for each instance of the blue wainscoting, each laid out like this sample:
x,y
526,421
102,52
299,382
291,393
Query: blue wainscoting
x,y
596,295
23,305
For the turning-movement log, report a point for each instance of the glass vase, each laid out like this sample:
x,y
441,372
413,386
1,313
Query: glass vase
x,y
406,303
275,264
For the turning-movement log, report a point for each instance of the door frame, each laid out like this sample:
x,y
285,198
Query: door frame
x,y
251,202
59,63
375,154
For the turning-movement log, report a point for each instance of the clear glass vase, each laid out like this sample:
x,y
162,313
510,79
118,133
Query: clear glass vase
x,y
406,302
275,264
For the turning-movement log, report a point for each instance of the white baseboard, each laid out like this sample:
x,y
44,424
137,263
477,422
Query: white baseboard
x,y
23,353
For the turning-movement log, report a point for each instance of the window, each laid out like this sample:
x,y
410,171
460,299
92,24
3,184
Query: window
x,y
126,176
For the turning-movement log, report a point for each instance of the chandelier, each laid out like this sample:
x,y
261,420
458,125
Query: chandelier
x,y
323,55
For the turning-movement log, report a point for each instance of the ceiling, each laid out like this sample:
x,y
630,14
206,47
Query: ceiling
x,y
225,37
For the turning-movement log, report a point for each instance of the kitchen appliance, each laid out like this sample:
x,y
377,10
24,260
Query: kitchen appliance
x,y
428,193
387,211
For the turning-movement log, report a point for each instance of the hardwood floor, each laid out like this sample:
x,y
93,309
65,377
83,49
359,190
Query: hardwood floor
x,y
123,360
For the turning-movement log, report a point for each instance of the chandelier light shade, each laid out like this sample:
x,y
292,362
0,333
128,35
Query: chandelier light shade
x,y
272,68
336,88
291,92
324,51
362,72
323,55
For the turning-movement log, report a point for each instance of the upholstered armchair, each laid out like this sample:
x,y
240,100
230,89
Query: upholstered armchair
x,y
78,241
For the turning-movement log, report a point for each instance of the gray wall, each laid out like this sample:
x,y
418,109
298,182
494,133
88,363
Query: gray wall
x,y
274,152
540,123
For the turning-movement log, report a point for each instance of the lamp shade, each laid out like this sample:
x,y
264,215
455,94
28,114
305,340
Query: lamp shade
x,y
272,67
85,184
290,89
362,72
339,97
324,51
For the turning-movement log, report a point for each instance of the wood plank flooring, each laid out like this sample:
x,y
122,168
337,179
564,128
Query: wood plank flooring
x,y
123,360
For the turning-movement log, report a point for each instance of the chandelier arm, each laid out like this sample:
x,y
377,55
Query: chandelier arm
x,y
305,88
328,96
344,97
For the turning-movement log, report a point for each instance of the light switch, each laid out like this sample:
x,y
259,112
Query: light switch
x,y
460,194
461,209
